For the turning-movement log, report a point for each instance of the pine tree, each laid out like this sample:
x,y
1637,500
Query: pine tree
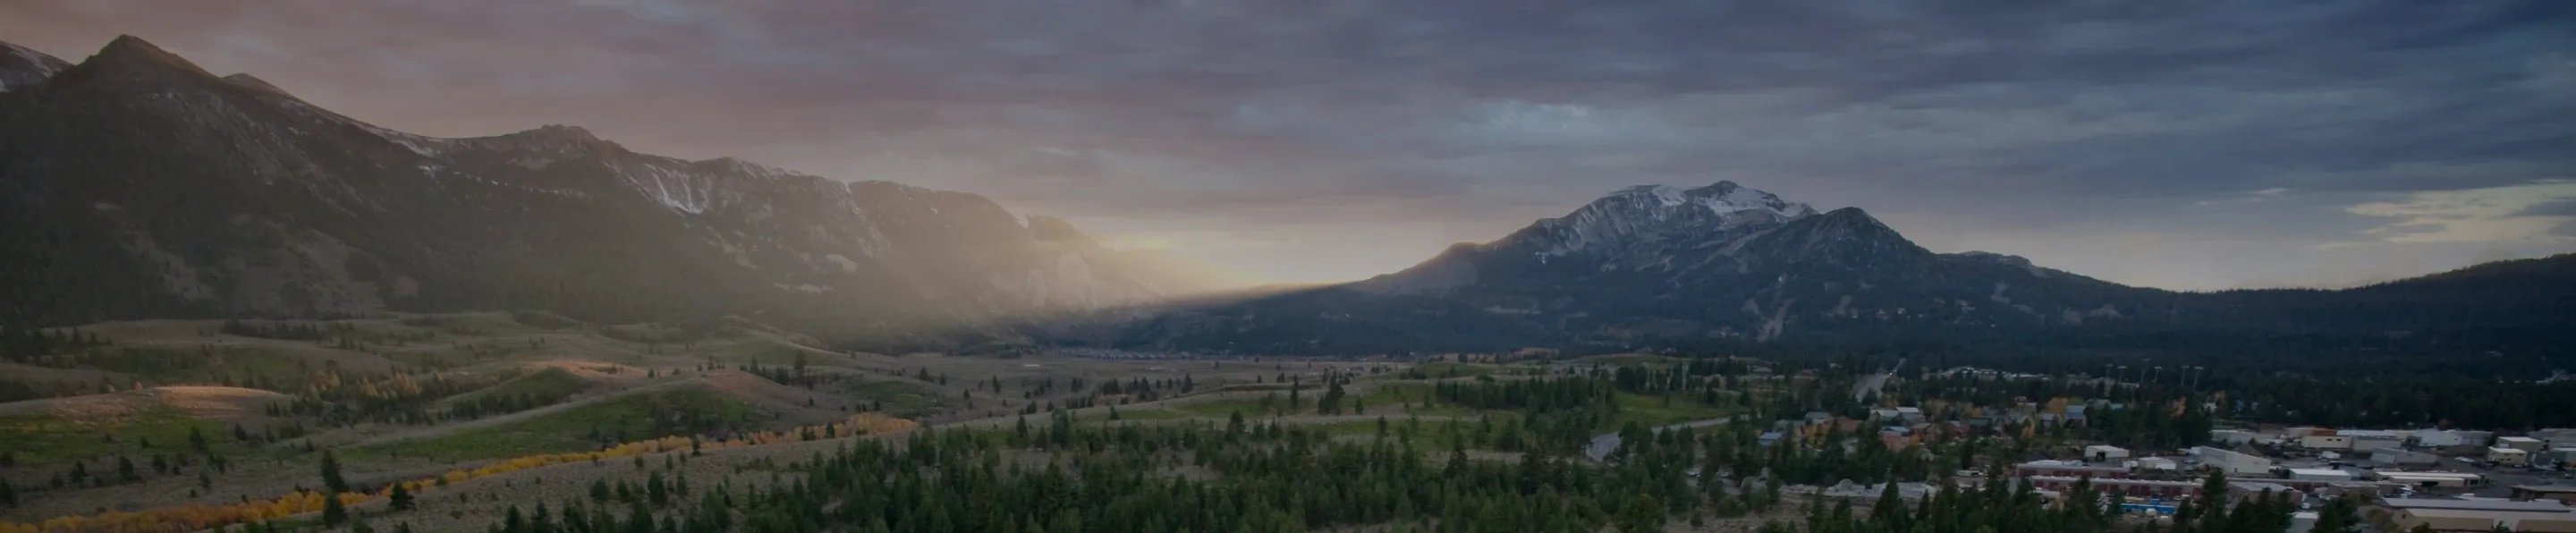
x,y
656,492
125,470
1643,514
2340,515
2213,517
331,474
332,513
400,498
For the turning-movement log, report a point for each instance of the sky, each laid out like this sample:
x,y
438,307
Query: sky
x,y
2183,144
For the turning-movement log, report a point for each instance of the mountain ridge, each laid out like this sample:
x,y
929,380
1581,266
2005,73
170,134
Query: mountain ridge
x,y
135,184
1643,266
175,192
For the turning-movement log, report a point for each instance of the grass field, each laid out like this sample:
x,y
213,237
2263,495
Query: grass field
x,y
629,418
1654,411
486,324
45,439
201,365
1438,371
1418,395
1226,408
544,386
1430,435
762,350
900,398
1139,413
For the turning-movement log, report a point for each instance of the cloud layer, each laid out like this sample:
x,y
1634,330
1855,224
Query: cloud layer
x,y
2181,144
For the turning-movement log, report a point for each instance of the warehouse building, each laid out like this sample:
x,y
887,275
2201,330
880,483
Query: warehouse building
x,y
2070,469
2233,463
2480,515
2137,488
2320,474
2434,480
2231,437
2326,442
2452,437
2563,494
2480,521
2104,453
2403,458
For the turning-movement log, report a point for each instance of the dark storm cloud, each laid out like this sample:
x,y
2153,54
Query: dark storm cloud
x,y
2557,208
2151,140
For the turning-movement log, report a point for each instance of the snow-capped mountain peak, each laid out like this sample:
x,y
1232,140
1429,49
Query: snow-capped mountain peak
x,y
1647,213
1724,197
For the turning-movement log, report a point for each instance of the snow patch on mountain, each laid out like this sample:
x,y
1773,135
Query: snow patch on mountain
x,y
1654,212
22,67
1723,198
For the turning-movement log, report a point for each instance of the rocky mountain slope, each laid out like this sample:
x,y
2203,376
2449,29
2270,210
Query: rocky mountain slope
x,y
135,184
1665,266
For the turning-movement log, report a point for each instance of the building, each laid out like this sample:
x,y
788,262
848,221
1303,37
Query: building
x,y
2347,489
2069,469
2442,514
2233,463
2138,488
2320,474
2245,490
2474,520
2433,480
2557,437
2102,453
2508,456
2372,443
2476,505
2451,437
2326,442
2359,434
2157,463
2564,494
1896,437
2231,437
2527,444
2303,521
2394,457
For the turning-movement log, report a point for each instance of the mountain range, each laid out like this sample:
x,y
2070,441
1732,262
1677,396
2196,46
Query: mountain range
x,y
135,184
1666,266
